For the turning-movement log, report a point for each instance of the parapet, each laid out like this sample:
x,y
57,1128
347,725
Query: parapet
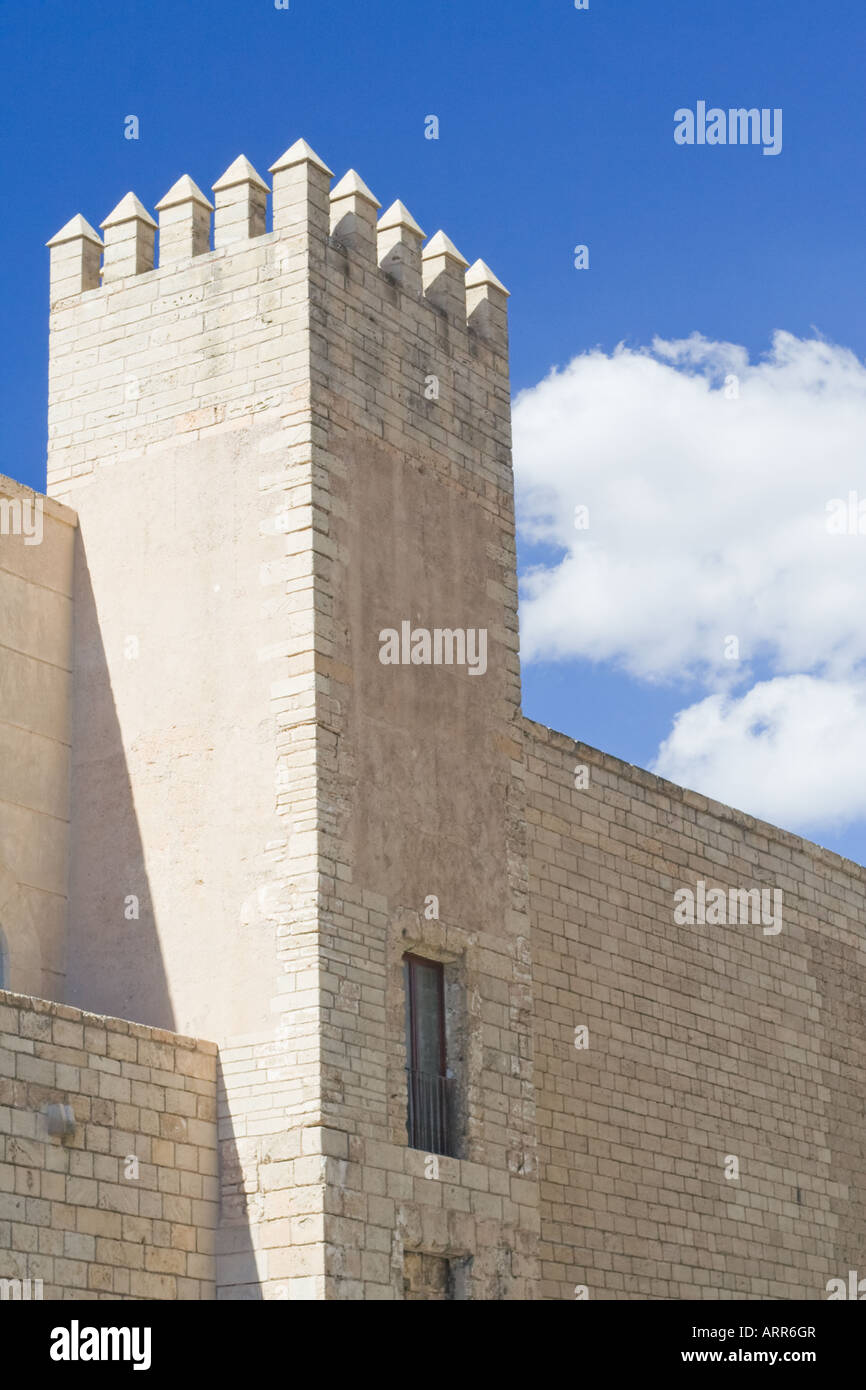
x,y
302,204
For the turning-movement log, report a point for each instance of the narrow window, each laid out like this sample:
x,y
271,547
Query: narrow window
x,y
427,1075
4,962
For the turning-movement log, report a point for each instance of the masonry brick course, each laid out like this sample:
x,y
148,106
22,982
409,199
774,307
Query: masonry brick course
x,y
704,1042
69,1215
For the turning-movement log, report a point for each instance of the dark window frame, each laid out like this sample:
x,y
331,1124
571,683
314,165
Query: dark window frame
x,y
429,1122
412,961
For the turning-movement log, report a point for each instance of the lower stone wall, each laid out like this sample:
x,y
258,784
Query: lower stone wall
x,y
314,1213
394,1216
712,1049
700,1100
273,1172
126,1206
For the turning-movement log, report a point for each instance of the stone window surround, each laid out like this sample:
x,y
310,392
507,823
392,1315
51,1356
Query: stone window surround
x,y
457,950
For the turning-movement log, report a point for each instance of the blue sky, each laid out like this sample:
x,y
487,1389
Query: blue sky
x,y
556,128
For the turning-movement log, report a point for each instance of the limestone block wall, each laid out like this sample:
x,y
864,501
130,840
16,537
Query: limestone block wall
x,y
262,428
705,1043
126,1206
329,1209
420,765
36,550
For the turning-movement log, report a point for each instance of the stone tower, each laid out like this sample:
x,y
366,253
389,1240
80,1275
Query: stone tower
x,y
281,450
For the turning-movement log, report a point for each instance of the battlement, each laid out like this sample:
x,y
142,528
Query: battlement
x,y
188,327
302,204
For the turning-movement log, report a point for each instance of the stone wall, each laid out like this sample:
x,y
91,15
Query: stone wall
x,y
278,449
127,1205
419,765
36,549
287,411
705,1043
328,1209
181,426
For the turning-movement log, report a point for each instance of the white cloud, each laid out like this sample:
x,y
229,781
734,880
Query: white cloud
x,y
791,750
707,519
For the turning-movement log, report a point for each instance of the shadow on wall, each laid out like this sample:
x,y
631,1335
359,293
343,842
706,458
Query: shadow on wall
x,y
237,1272
114,959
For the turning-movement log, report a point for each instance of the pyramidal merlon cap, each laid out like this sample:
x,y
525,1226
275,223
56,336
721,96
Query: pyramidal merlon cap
x,y
352,185
239,171
76,229
300,153
442,245
479,273
398,215
184,191
129,209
